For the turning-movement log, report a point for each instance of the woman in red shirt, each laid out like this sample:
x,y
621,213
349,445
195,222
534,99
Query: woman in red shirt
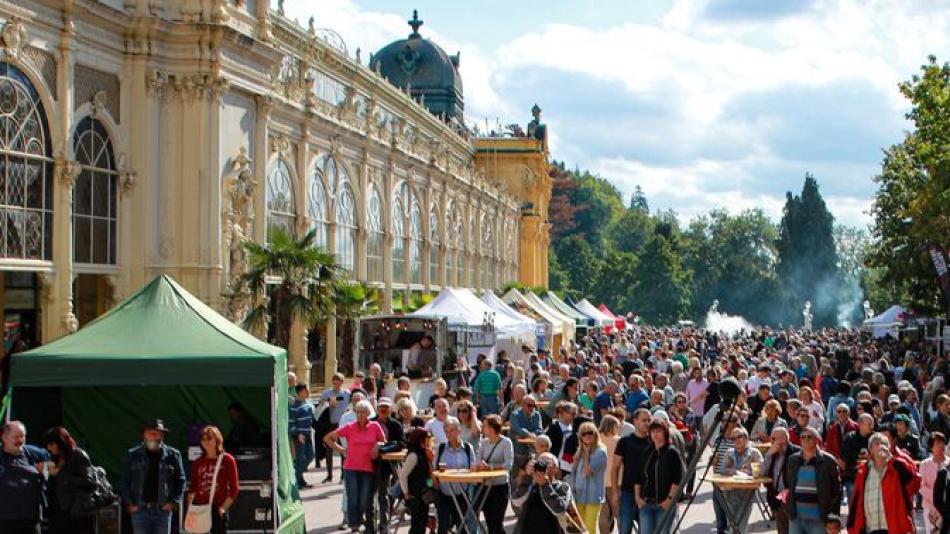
x,y
202,474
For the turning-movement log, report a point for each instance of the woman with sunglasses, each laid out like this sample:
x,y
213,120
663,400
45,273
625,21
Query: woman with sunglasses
x,y
471,430
215,468
587,475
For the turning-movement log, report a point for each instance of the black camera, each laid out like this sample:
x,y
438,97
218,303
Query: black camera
x,y
540,466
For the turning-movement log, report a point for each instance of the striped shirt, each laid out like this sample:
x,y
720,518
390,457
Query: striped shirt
x,y
874,518
724,447
806,491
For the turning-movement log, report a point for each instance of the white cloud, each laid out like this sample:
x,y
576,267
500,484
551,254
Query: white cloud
x,y
717,105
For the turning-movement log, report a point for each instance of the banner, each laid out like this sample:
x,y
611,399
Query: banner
x,y
939,258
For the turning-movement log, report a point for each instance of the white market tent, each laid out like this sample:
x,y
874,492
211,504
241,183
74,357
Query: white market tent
x,y
461,306
584,306
553,301
567,322
555,327
512,345
887,322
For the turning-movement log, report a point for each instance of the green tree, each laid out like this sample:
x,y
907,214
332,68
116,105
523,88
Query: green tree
x,y
616,282
631,230
732,259
662,291
288,279
807,261
912,205
638,200
580,263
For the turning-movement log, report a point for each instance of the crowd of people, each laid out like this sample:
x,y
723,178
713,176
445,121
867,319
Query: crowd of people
x,y
849,431
58,490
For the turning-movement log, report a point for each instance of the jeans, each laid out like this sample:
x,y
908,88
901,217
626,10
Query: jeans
x,y
151,520
650,516
718,508
806,526
359,498
489,405
303,455
628,511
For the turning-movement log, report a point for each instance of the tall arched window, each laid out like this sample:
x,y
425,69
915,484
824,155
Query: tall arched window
x,y
281,209
434,252
94,196
450,244
346,228
400,203
415,243
459,251
26,170
488,252
317,207
374,243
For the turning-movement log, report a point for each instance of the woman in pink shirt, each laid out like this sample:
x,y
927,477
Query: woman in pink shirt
x,y
363,439
696,392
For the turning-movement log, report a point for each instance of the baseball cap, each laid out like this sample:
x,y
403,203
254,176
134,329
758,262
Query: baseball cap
x,y
893,399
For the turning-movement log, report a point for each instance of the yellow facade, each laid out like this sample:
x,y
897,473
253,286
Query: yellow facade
x,y
522,163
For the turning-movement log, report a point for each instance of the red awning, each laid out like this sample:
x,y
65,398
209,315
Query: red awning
x,y
619,321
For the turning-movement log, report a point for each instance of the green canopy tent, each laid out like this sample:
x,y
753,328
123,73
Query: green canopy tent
x,y
160,353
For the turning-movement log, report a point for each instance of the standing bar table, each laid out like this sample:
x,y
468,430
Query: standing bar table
x,y
476,502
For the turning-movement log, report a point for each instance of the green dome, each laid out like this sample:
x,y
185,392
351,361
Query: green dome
x,y
425,69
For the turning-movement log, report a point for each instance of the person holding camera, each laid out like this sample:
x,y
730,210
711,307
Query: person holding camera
x,y
338,399
545,500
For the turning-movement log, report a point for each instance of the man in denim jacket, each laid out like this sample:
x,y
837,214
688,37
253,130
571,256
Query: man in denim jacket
x,y
154,481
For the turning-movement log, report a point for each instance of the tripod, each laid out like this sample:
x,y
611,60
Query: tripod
x,y
728,405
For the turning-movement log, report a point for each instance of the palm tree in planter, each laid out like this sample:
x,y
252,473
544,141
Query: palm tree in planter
x,y
354,300
288,279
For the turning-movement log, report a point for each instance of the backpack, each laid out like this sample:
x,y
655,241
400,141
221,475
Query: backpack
x,y
466,446
100,496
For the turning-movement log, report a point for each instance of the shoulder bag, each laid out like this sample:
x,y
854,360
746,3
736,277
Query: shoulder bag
x,y
198,520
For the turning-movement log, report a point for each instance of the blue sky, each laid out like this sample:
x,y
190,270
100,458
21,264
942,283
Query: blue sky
x,y
703,103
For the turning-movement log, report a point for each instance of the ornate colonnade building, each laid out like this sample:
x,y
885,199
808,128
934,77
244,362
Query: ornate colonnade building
x,y
140,137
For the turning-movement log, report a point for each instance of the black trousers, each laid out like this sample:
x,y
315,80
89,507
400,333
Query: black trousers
x,y
448,515
496,504
418,515
63,523
25,526
219,523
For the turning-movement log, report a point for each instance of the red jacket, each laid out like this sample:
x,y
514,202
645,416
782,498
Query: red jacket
x,y
835,437
899,485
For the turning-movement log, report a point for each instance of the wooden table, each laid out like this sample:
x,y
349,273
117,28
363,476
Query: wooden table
x,y
476,502
531,442
395,460
761,446
398,456
731,483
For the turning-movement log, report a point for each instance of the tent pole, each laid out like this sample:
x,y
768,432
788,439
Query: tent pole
x,y
275,441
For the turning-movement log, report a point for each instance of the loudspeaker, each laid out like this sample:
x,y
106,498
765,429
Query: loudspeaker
x,y
253,510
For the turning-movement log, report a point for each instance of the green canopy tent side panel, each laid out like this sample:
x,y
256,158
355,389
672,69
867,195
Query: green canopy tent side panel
x,y
161,353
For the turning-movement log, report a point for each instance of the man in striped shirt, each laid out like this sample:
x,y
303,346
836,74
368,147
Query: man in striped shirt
x,y
813,486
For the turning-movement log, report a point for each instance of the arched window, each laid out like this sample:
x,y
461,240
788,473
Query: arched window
x,y
434,247
450,244
346,228
94,196
400,203
415,243
317,206
374,243
280,198
459,251
488,252
26,170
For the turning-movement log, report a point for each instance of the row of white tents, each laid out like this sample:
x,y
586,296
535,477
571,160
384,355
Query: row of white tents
x,y
520,319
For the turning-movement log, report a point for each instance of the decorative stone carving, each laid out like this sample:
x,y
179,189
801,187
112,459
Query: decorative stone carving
x,y
68,172
280,144
13,36
100,89
98,103
238,220
127,176
336,146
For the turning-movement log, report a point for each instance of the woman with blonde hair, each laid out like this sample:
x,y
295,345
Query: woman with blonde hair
x,y
609,436
214,479
587,475
813,407
470,428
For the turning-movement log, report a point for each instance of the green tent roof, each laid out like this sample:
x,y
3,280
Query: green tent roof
x,y
162,335
552,300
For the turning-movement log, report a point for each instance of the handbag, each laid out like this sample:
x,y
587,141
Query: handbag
x,y
198,519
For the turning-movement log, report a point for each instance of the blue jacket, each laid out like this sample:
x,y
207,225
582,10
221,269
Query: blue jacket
x,y
521,426
589,490
34,455
171,476
302,413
